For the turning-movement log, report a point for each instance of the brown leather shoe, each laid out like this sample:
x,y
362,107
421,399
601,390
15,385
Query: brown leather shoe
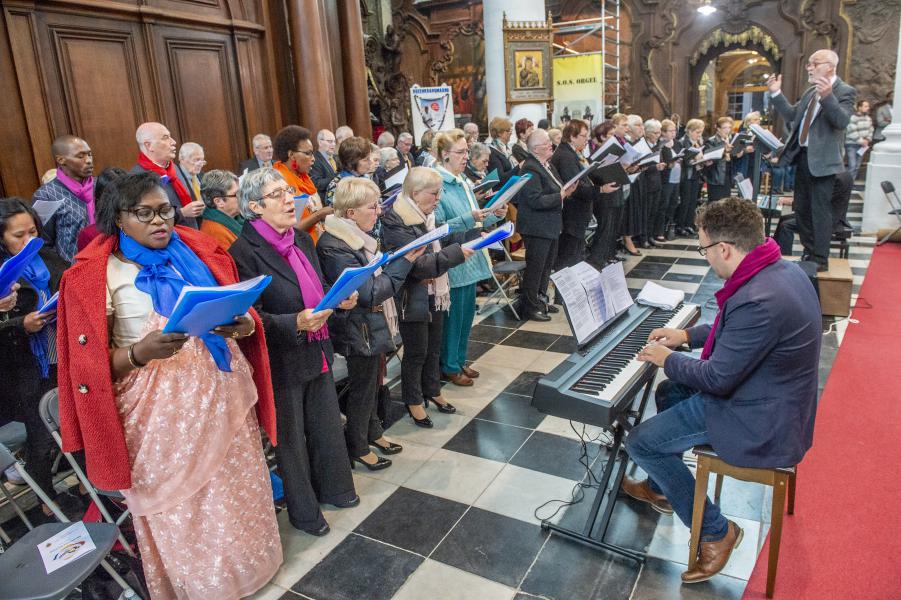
x,y
471,373
641,490
713,556
461,379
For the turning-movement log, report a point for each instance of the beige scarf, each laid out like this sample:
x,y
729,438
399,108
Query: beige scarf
x,y
411,214
350,233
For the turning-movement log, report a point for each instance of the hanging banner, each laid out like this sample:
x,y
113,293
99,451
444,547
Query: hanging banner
x,y
433,108
579,88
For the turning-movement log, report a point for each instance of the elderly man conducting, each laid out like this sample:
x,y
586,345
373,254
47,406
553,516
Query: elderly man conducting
x,y
157,151
818,123
753,393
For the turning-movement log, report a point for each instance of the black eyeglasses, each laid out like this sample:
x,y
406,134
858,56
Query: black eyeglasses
x,y
702,250
145,214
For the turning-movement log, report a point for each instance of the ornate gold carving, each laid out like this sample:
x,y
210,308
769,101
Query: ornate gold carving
x,y
752,35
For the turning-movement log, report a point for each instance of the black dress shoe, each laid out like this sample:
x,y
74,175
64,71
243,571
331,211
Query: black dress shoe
x,y
380,463
391,448
552,310
317,531
426,422
355,501
821,267
539,315
446,408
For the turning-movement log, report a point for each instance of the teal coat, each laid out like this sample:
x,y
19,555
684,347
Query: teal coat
x,y
455,209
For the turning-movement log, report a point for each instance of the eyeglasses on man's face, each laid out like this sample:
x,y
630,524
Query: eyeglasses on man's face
x,y
278,193
145,214
702,250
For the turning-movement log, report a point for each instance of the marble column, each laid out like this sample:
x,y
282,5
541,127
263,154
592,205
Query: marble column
x,y
356,96
885,165
496,83
313,75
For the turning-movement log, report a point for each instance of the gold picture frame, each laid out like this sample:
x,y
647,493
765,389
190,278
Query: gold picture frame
x,y
527,62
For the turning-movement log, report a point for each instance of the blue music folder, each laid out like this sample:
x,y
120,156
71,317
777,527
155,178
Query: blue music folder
x,y
11,270
199,310
501,233
50,305
348,282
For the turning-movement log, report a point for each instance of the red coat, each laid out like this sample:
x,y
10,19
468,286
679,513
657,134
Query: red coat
x,y
87,406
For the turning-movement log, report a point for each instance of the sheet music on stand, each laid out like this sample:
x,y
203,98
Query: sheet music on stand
x,y
591,297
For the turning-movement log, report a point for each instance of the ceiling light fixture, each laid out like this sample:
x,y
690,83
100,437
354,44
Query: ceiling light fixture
x,y
706,8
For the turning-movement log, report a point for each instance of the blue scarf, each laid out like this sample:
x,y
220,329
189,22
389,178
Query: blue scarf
x,y
164,273
37,275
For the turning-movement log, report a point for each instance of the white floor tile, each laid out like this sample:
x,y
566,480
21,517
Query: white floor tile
x,y
558,426
302,551
517,492
663,251
403,464
436,580
446,427
507,356
455,476
558,325
689,269
372,493
547,362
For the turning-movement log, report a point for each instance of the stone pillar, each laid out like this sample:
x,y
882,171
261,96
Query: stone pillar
x,y
356,96
312,65
884,165
496,82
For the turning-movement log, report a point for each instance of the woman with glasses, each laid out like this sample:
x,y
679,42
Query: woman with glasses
x,y
477,167
170,420
355,155
294,156
28,340
221,220
311,452
460,210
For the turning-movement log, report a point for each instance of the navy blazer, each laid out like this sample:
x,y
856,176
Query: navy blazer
x,y
760,382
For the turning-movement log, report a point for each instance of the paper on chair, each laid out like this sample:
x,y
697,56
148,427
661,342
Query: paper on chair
x,y
68,545
653,294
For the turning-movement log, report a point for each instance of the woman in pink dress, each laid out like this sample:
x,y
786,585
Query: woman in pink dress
x,y
167,418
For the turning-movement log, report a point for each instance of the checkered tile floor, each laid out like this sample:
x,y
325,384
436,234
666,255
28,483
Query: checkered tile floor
x,y
455,516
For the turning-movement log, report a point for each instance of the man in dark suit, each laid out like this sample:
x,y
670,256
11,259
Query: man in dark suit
x,y
539,220
262,154
817,123
404,145
753,393
324,167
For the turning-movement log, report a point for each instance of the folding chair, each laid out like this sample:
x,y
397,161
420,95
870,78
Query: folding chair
x,y
513,270
21,567
49,411
889,190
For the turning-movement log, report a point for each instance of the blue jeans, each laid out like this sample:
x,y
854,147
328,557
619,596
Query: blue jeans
x,y
656,445
854,159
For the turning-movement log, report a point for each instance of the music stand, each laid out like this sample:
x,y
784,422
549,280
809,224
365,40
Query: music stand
x,y
767,210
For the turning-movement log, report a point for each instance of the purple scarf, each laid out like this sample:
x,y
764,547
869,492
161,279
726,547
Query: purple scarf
x,y
758,259
84,191
310,286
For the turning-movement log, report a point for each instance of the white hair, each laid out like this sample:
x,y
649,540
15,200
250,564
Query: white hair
x,y
386,154
259,138
146,132
187,149
404,136
634,120
386,140
652,125
536,138
321,135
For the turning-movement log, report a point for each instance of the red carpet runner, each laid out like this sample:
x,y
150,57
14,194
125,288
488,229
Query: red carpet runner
x,y
844,540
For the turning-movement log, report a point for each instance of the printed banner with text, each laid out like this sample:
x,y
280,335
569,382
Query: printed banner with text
x,y
579,88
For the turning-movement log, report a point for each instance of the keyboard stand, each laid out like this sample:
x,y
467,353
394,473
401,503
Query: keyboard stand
x,y
606,494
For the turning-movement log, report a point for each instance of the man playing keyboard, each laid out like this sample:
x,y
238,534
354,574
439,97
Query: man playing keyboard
x,y
752,395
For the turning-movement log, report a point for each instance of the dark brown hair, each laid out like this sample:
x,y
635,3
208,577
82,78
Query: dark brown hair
x,y
352,151
732,220
573,129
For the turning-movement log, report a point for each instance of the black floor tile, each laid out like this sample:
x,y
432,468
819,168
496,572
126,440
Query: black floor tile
x,y
531,339
657,260
567,570
663,579
476,349
524,384
686,277
555,455
696,262
501,318
359,568
652,271
492,546
488,440
489,333
566,345
412,520
512,409
397,410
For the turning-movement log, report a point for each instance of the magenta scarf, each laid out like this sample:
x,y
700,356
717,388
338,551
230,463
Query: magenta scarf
x,y
758,259
84,191
310,285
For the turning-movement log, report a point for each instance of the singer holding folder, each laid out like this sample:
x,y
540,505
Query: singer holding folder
x,y
366,332
172,421
311,453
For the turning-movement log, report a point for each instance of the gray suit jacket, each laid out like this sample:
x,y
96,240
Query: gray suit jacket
x,y
827,131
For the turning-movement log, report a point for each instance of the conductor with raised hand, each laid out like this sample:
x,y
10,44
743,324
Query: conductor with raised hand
x,y
817,122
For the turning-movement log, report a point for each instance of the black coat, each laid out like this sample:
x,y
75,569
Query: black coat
x,y
720,172
650,177
577,207
251,164
321,173
688,171
539,207
19,364
412,300
361,331
293,358
498,160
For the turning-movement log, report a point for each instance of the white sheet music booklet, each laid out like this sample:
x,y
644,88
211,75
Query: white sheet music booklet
x,y
592,297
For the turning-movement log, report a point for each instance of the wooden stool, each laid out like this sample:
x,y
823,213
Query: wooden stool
x,y
781,479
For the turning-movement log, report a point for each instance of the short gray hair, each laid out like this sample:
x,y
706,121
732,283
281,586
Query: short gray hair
x,y
260,137
536,138
215,184
477,150
386,154
251,189
386,140
187,149
405,136
634,120
652,124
